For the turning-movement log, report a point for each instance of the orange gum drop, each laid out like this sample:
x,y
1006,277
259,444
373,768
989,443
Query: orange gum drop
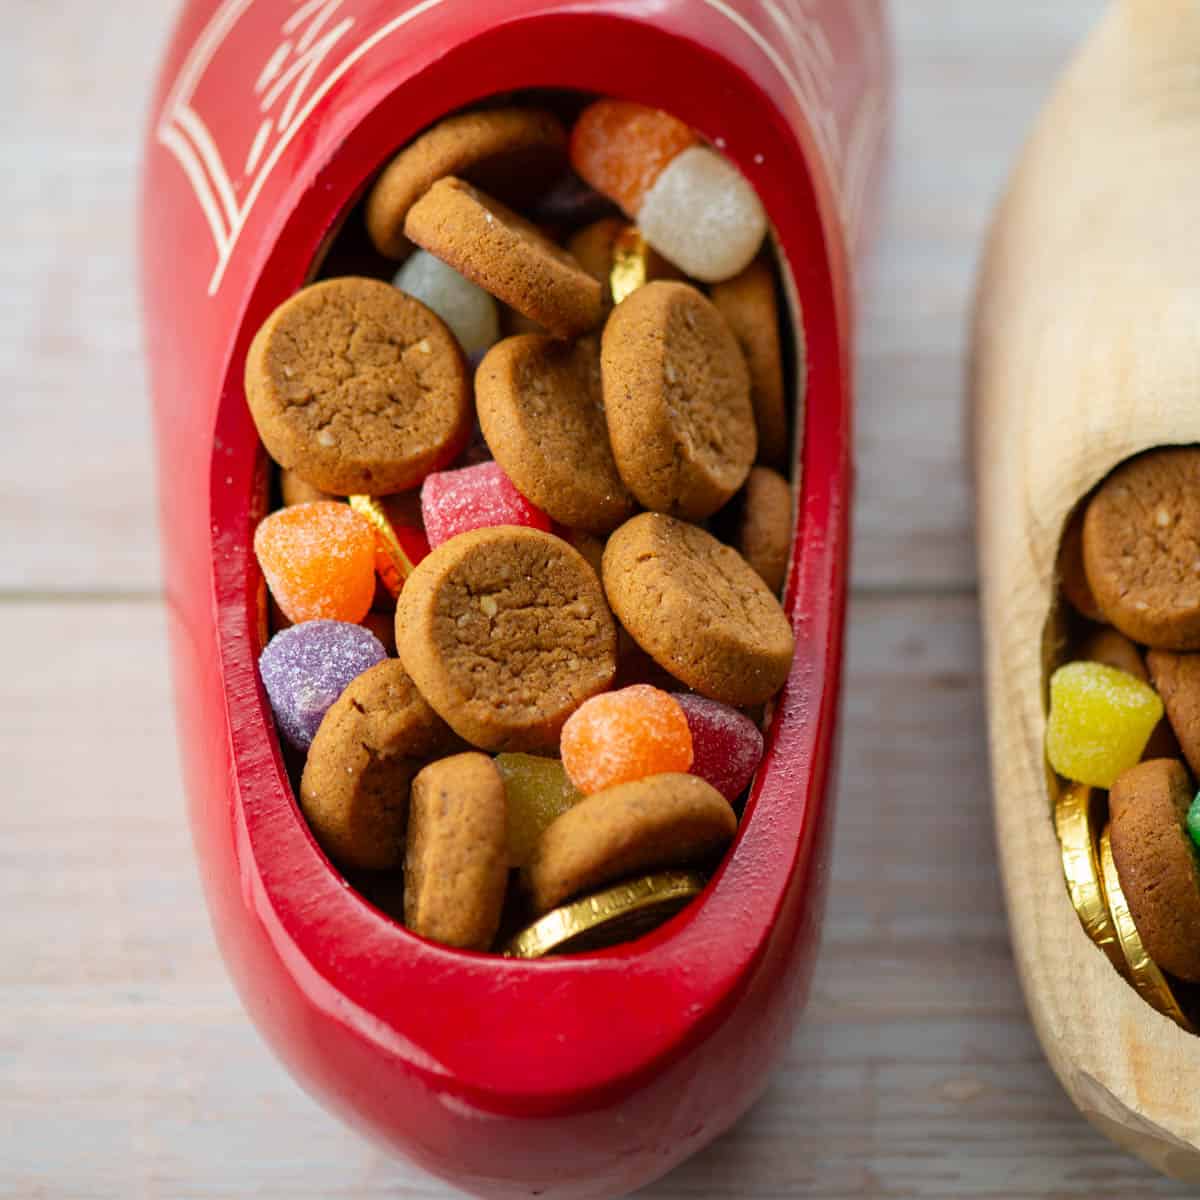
x,y
620,148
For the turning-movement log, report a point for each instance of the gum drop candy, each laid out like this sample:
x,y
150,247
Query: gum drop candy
x,y
726,745
1100,721
306,668
1193,821
473,316
691,204
538,791
618,737
319,561
477,497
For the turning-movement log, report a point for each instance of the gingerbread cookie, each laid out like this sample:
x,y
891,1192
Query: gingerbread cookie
x,y
294,490
1177,680
370,744
1141,548
660,821
506,256
677,398
542,412
506,632
747,302
698,609
1157,862
514,153
456,861
1113,649
763,531
1071,574
358,387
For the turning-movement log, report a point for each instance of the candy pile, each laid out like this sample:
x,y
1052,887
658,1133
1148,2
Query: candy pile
x,y
525,576
1125,719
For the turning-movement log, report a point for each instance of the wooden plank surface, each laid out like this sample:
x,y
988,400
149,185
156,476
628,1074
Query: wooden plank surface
x,y
126,1066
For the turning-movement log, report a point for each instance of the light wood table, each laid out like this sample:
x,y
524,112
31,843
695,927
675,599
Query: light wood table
x,y
126,1067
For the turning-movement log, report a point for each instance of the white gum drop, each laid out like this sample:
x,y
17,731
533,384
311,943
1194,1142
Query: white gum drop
x,y
473,315
703,216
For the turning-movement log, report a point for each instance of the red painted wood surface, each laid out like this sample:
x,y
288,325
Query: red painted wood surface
x,y
586,1076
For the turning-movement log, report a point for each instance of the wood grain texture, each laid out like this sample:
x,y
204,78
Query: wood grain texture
x,y
1086,354
127,1069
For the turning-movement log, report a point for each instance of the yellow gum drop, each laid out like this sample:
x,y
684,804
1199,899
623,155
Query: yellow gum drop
x,y
1100,721
537,790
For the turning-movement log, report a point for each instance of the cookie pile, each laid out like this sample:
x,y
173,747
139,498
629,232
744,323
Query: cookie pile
x,y
1124,720
525,574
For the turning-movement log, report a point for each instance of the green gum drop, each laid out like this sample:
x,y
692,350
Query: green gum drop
x,y
1193,821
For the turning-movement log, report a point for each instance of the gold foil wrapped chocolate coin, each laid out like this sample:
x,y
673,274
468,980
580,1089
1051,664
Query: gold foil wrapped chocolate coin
x,y
1142,971
630,263
391,562
1077,818
620,913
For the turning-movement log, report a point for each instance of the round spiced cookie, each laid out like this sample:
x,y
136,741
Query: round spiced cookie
x,y
514,153
698,609
1141,548
358,388
763,531
370,744
294,490
456,861
506,632
1177,680
677,399
1071,574
747,302
506,256
1113,649
1157,862
661,821
541,409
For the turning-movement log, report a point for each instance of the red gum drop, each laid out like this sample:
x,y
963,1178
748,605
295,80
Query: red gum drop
x,y
726,745
454,502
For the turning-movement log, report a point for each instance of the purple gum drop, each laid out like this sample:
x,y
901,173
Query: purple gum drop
x,y
306,667
726,745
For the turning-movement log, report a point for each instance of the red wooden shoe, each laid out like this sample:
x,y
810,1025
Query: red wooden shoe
x,y
573,1077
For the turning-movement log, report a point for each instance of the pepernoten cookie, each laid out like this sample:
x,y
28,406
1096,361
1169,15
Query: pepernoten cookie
x,y
370,744
763,531
542,412
677,399
698,609
747,302
456,861
1177,681
1141,548
513,153
660,821
506,632
357,387
1157,863
506,256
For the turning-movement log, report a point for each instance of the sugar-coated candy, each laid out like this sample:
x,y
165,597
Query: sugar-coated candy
x,y
1100,720
726,745
618,737
477,497
1193,820
691,203
621,148
703,216
318,560
473,316
537,790
306,667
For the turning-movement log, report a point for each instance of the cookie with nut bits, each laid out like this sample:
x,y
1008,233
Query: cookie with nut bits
x,y
677,401
541,409
1141,548
513,153
507,256
357,387
506,632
